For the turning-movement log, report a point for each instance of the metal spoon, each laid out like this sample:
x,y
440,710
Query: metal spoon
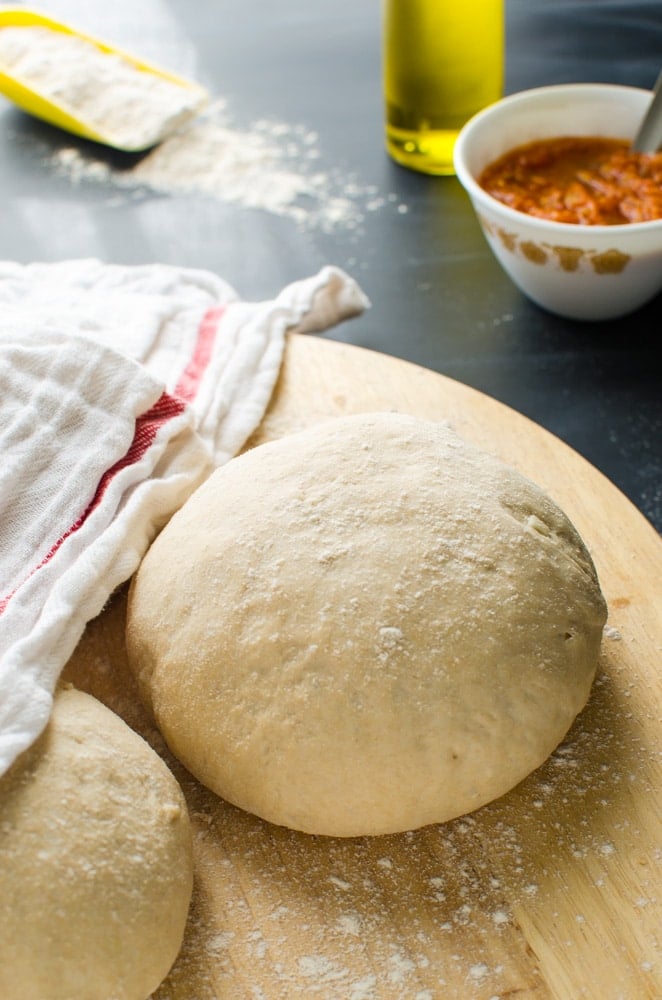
x,y
649,136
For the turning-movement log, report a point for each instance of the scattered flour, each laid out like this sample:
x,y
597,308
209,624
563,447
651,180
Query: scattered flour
x,y
478,971
270,166
399,967
113,97
429,915
339,883
321,969
349,923
363,989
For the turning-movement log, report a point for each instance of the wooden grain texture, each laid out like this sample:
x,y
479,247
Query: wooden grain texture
x,y
553,891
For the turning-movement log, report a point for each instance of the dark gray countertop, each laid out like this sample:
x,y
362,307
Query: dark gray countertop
x,y
412,242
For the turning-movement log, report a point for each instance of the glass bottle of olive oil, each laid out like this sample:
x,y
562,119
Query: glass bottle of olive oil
x,y
442,62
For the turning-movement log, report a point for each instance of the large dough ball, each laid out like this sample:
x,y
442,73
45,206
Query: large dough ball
x,y
365,627
95,862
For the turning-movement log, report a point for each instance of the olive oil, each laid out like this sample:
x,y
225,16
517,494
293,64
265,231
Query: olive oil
x,y
443,62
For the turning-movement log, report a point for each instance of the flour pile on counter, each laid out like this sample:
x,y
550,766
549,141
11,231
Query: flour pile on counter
x,y
133,108
121,388
271,166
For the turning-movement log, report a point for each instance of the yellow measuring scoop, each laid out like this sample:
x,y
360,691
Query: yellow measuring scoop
x,y
41,105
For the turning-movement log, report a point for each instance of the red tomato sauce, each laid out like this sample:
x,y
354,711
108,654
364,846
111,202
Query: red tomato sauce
x,y
586,180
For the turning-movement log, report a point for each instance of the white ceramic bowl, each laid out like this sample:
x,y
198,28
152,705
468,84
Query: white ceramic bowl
x,y
580,271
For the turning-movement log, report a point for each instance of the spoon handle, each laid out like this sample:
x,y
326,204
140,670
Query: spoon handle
x,y
649,137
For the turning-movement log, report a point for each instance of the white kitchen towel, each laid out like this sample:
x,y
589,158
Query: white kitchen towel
x,y
121,388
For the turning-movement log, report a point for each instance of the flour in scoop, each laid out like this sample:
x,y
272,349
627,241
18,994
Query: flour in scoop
x,y
132,108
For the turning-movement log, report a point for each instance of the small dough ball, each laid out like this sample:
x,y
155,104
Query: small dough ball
x,y
95,861
365,627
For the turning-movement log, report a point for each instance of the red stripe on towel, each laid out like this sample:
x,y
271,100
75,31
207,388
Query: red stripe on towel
x,y
190,379
147,426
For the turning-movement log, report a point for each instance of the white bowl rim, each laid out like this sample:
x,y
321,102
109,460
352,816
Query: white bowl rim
x,y
472,186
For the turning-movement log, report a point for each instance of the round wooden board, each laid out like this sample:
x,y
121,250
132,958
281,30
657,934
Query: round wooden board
x,y
552,891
